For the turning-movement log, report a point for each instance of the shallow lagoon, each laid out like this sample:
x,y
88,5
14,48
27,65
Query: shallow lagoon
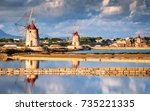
x,y
114,51
76,84
70,64
73,84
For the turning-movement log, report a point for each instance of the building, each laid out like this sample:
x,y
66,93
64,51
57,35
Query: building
x,y
32,36
10,46
130,42
99,40
139,42
76,39
75,42
119,43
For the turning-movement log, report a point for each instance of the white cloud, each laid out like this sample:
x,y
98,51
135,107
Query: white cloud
x,y
144,9
97,22
110,10
54,4
105,2
1,26
67,27
28,1
133,7
50,8
143,6
50,5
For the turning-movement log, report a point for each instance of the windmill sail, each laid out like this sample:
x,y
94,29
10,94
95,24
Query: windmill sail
x,y
28,30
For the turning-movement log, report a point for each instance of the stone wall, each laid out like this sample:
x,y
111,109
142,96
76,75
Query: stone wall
x,y
139,72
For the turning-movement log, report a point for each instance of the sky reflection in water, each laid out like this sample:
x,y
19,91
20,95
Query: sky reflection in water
x,y
114,51
74,84
69,64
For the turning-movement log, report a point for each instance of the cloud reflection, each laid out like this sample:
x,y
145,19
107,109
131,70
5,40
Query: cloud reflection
x,y
75,84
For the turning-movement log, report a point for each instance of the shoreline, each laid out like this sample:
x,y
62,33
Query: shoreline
x,y
139,58
120,48
45,55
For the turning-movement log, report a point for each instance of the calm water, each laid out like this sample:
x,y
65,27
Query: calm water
x,y
113,51
68,64
73,84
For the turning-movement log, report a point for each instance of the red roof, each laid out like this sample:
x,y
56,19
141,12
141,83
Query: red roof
x,y
32,26
76,34
139,36
31,80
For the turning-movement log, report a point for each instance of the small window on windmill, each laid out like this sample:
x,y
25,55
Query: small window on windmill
x,y
30,31
31,63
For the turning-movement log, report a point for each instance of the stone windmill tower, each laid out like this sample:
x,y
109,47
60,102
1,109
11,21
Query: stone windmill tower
x,y
75,42
32,35
76,39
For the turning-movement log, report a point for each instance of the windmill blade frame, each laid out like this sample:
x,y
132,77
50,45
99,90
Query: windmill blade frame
x,y
23,22
29,21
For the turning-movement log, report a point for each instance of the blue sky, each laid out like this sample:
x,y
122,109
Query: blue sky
x,y
106,18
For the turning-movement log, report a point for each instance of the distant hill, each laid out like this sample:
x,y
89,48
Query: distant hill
x,y
6,35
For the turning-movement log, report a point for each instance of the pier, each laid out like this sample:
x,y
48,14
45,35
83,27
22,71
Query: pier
x,y
137,72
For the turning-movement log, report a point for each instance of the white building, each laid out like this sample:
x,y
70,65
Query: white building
x,y
75,42
76,39
32,36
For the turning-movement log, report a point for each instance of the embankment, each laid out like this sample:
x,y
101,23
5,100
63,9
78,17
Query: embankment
x,y
77,55
141,58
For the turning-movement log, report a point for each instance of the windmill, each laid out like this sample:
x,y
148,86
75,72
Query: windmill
x,y
75,38
28,29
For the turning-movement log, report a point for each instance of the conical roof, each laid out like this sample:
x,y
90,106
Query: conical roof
x,y
32,26
76,34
